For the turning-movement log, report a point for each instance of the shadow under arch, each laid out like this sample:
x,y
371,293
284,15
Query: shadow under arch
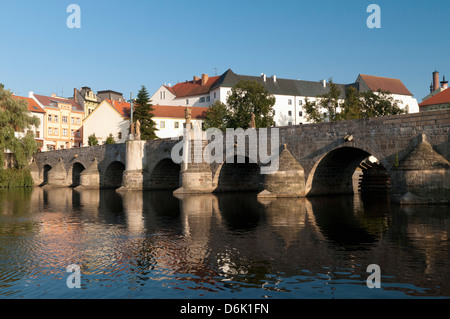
x,y
45,179
238,174
113,175
164,176
334,173
77,169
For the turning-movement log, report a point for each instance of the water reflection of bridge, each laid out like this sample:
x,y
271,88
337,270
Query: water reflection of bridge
x,y
234,236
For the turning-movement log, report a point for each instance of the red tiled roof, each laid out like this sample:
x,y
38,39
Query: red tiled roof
x,y
32,105
440,98
122,107
395,86
46,100
178,111
189,88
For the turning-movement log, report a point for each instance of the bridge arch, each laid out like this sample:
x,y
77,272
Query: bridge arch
x,y
334,173
164,176
77,169
238,174
113,175
45,174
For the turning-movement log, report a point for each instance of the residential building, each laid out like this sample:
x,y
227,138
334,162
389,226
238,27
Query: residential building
x,y
38,112
87,99
170,120
110,117
290,94
63,122
435,89
437,101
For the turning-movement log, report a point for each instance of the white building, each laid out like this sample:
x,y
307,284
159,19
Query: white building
x,y
110,117
290,95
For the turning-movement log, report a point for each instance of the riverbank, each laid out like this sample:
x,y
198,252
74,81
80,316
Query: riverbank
x,y
14,177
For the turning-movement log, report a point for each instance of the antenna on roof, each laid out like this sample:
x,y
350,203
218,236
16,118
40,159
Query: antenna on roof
x,y
215,71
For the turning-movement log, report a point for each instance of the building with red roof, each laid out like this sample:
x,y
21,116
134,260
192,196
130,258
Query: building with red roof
x,y
436,102
290,94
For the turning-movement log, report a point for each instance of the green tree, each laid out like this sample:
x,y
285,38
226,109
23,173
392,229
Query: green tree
x,y
249,97
92,140
143,112
15,117
326,107
110,139
217,116
356,105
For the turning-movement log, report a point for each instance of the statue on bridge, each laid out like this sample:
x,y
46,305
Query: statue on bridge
x,y
138,130
253,121
187,114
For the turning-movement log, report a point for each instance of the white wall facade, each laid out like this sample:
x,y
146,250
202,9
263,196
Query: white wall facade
x,y
103,121
173,127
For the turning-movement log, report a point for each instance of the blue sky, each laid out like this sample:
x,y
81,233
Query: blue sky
x,y
122,45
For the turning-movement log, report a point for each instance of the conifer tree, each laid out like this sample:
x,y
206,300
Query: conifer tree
x,y
143,112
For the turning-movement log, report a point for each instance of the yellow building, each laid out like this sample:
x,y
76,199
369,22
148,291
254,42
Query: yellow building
x,y
62,123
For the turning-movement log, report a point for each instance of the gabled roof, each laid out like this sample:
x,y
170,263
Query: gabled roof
x,y
46,101
32,105
375,83
189,88
123,108
178,111
440,98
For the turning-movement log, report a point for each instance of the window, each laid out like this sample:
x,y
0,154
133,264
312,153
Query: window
x,y
72,133
162,95
64,119
56,118
78,121
64,132
38,134
289,102
72,121
176,124
187,102
289,123
300,113
49,117
78,133
119,135
55,131
214,94
202,99
300,102
208,99
162,124
289,113
50,131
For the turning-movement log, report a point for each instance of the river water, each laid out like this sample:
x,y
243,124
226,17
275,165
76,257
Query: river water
x,y
155,245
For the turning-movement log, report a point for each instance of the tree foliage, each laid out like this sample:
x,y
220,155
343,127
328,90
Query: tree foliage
x,y
110,139
246,97
356,105
92,140
143,112
15,117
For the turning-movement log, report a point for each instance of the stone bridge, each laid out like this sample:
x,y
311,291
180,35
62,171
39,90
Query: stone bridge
x,y
406,155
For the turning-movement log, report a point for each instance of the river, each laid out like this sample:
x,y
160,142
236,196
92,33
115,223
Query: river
x,y
155,245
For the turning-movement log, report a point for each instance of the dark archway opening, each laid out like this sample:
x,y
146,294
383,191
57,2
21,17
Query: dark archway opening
x,y
165,176
348,170
77,169
47,169
239,177
113,175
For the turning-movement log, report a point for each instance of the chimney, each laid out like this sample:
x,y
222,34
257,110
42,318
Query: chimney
x,y
324,83
53,95
274,77
444,84
75,91
435,80
205,78
196,78
263,77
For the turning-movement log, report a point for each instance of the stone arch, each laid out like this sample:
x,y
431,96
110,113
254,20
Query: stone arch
x,y
45,174
334,172
77,169
234,176
164,176
113,175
